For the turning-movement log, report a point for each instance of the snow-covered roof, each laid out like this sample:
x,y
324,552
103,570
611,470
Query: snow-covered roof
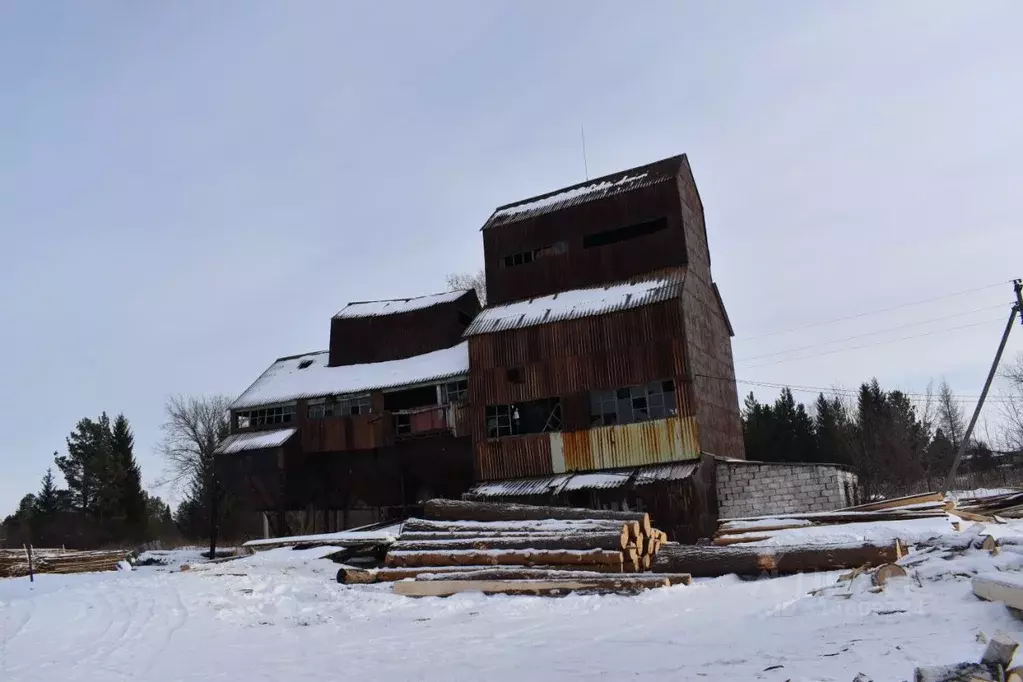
x,y
616,183
576,303
589,480
309,376
397,305
255,440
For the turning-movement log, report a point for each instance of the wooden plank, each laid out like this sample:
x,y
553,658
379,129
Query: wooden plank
x,y
998,588
897,502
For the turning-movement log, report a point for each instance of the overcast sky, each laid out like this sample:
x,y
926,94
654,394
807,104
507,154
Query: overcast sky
x,y
189,190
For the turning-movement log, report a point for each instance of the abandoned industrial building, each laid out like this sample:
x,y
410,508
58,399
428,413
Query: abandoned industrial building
x,y
599,374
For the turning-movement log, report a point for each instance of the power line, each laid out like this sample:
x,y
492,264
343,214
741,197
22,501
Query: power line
x,y
875,333
878,343
877,311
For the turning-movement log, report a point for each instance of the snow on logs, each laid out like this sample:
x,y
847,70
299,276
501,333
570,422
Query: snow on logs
x,y
520,549
14,563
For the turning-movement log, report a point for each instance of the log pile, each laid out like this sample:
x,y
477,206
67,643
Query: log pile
x,y
520,549
988,509
14,562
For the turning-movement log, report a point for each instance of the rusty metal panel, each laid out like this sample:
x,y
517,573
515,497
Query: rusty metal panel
x,y
675,471
514,457
624,445
568,222
357,339
543,486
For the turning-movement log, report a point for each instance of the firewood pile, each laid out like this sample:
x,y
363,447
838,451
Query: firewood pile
x,y
14,562
520,549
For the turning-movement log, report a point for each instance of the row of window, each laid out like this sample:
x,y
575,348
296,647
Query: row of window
x,y
612,236
283,414
450,392
524,257
629,405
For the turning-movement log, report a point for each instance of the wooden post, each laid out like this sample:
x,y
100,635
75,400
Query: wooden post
x,y
31,572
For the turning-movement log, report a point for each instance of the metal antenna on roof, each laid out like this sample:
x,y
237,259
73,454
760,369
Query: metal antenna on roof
x,y
586,168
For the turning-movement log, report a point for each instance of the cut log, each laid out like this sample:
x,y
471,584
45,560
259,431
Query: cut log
x,y
471,534
489,528
500,557
461,510
999,587
444,588
898,502
611,541
710,561
960,672
736,529
350,575
989,543
1015,674
886,572
1000,650
970,516
542,574
739,539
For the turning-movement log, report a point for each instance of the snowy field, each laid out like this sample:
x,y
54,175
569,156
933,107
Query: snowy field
x,y
280,616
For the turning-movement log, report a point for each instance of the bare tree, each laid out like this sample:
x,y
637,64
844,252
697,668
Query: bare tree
x,y
950,415
1012,407
468,280
195,426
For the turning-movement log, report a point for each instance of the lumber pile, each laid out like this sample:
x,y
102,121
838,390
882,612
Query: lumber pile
x,y
1005,505
520,549
760,528
14,562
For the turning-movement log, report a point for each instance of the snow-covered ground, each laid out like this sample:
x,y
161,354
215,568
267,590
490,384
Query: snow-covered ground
x,y
279,615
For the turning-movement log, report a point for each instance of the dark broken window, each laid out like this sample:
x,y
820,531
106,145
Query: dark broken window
x,y
281,414
340,408
515,375
528,416
525,257
410,398
654,400
454,391
621,234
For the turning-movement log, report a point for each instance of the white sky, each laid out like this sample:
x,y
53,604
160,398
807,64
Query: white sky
x,y
189,190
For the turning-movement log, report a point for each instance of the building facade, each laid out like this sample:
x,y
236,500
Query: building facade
x,y
599,374
606,343
357,433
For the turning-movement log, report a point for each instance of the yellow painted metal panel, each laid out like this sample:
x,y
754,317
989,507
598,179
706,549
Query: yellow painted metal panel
x,y
624,445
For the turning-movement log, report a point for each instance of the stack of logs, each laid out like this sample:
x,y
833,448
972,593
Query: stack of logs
x,y
14,562
513,548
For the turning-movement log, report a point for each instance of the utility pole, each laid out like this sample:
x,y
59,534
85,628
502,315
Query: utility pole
x,y
1016,308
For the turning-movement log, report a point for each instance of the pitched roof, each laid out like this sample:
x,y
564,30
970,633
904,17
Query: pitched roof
x,y
308,376
254,440
397,305
590,190
577,303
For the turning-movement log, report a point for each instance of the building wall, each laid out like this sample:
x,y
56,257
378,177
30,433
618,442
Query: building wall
x,y
759,489
708,336
568,359
581,267
380,338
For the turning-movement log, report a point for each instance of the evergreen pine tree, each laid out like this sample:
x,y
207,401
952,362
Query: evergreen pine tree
x,y
86,466
47,502
131,502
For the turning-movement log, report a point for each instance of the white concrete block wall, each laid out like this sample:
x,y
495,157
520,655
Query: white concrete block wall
x,y
756,489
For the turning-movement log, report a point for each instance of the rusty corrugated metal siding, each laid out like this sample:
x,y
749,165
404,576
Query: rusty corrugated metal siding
x,y
378,338
514,457
624,445
577,266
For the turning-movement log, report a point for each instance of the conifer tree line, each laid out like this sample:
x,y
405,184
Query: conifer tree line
x,y
892,440
103,502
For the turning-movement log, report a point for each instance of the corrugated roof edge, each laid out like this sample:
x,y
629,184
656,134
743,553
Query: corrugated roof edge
x,y
460,292
674,279
674,163
531,486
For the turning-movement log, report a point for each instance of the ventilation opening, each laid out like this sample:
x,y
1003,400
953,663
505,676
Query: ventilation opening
x,y
621,234
304,364
515,375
